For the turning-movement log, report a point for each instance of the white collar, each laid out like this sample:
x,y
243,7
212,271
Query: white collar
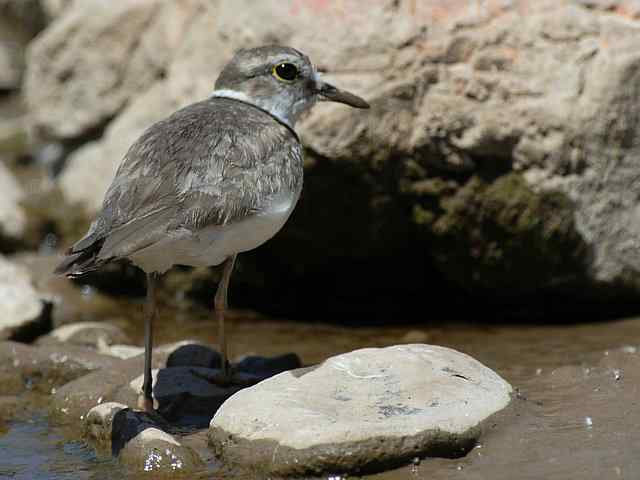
x,y
243,97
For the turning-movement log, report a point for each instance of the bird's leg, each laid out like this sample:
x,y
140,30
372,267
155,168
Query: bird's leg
x,y
220,308
145,401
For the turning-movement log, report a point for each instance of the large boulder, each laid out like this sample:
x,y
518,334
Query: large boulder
x,y
501,147
361,411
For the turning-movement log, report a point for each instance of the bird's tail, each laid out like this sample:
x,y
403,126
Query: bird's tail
x,y
79,261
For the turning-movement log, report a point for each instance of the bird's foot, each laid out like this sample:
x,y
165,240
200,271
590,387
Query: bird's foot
x,y
146,404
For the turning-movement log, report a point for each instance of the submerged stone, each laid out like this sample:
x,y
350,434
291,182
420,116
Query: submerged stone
x,y
361,411
139,440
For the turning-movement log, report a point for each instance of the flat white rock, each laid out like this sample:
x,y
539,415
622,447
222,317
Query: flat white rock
x,y
432,396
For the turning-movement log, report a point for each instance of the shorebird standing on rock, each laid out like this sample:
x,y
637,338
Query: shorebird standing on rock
x,y
214,179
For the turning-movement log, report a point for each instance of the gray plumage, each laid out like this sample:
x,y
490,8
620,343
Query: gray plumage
x,y
200,167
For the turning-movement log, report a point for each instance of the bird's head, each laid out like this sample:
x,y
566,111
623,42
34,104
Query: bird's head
x,y
279,80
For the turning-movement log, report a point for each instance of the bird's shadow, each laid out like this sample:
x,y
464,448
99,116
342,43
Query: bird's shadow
x,y
188,392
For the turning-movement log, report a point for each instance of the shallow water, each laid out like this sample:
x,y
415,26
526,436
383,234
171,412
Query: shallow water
x,y
31,449
575,415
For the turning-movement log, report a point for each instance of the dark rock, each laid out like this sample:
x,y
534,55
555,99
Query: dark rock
x,y
268,367
194,355
189,395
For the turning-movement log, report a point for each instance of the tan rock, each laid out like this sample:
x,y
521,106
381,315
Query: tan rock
x,y
363,410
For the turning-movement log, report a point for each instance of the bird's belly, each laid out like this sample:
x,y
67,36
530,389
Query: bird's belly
x,y
212,245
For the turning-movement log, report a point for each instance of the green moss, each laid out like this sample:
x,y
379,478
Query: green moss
x,y
502,235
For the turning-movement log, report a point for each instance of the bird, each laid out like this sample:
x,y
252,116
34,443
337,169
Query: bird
x,y
214,179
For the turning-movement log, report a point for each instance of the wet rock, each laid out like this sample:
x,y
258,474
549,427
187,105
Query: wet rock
x,y
47,367
98,423
88,334
139,440
23,313
365,410
153,450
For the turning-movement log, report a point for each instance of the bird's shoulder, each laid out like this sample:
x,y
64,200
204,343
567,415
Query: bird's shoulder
x,y
207,130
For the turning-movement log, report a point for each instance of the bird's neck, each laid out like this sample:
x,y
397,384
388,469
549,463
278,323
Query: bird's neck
x,y
276,109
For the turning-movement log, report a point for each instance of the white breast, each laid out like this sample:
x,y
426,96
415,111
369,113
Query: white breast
x,y
212,245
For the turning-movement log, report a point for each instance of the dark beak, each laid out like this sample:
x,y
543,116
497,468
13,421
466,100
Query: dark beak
x,y
332,94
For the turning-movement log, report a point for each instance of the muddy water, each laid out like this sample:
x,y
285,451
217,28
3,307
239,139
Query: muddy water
x,y
575,415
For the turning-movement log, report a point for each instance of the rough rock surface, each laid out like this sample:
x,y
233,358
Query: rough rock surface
x,y
503,136
360,411
22,310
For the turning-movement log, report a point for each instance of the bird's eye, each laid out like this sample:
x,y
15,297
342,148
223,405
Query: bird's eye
x,y
285,71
